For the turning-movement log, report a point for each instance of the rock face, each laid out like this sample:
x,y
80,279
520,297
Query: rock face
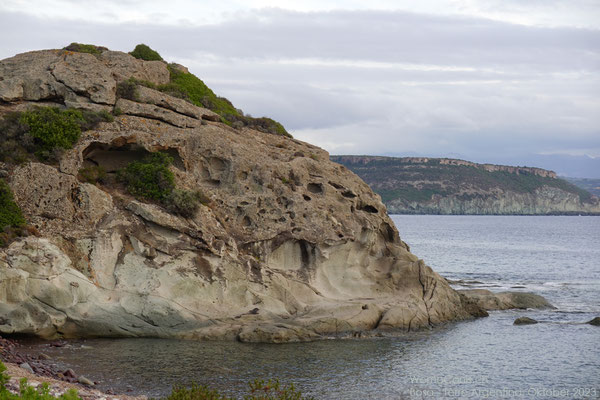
x,y
419,185
290,247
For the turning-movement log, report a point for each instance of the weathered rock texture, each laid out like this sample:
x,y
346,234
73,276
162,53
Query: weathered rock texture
x,y
420,185
291,246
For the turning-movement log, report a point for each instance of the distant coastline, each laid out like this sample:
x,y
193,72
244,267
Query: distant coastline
x,y
445,186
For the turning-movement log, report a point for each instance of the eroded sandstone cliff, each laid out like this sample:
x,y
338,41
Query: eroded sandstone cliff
x,y
290,246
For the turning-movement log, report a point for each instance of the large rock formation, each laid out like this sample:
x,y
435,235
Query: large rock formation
x,y
290,247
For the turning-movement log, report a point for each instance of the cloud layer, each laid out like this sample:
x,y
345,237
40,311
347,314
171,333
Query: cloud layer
x,y
377,81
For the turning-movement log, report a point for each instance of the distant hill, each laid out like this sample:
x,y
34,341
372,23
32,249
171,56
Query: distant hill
x,y
591,185
422,185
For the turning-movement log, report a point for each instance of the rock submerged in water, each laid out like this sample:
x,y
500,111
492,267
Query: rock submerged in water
x,y
595,321
491,301
525,321
283,230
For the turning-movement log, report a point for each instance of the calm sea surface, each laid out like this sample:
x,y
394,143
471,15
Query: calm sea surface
x,y
557,257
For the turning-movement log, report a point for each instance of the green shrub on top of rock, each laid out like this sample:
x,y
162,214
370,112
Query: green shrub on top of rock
x,y
85,48
144,52
198,93
188,86
150,178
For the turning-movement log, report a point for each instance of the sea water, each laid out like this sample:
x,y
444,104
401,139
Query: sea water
x,y
557,257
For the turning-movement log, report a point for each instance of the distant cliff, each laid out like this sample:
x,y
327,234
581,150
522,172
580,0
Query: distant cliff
x,y
422,185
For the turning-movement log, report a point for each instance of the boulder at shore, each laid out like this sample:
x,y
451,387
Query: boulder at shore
x,y
491,301
525,321
287,246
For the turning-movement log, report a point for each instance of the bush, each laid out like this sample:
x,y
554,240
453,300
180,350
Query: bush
x,y
16,144
128,90
12,222
184,202
150,178
145,53
44,131
52,128
198,93
91,119
85,48
10,213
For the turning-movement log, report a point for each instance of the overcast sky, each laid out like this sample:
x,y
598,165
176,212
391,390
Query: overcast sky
x,y
476,79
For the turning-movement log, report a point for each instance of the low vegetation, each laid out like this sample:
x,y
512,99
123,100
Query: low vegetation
x,y
258,390
94,174
151,179
189,87
12,222
85,48
144,52
44,132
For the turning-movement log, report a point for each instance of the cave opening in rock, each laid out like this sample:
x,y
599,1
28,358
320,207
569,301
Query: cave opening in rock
x,y
113,157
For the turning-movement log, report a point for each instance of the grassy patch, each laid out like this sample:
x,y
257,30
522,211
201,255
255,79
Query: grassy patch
x,y
144,52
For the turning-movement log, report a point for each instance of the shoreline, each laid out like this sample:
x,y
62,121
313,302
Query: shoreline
x,y
41,370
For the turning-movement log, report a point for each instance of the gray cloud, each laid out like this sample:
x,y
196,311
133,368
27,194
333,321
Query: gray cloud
x,y
378,82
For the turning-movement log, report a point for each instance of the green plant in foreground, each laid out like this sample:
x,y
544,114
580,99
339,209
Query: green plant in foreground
x,y
145,53
259,390
27,392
